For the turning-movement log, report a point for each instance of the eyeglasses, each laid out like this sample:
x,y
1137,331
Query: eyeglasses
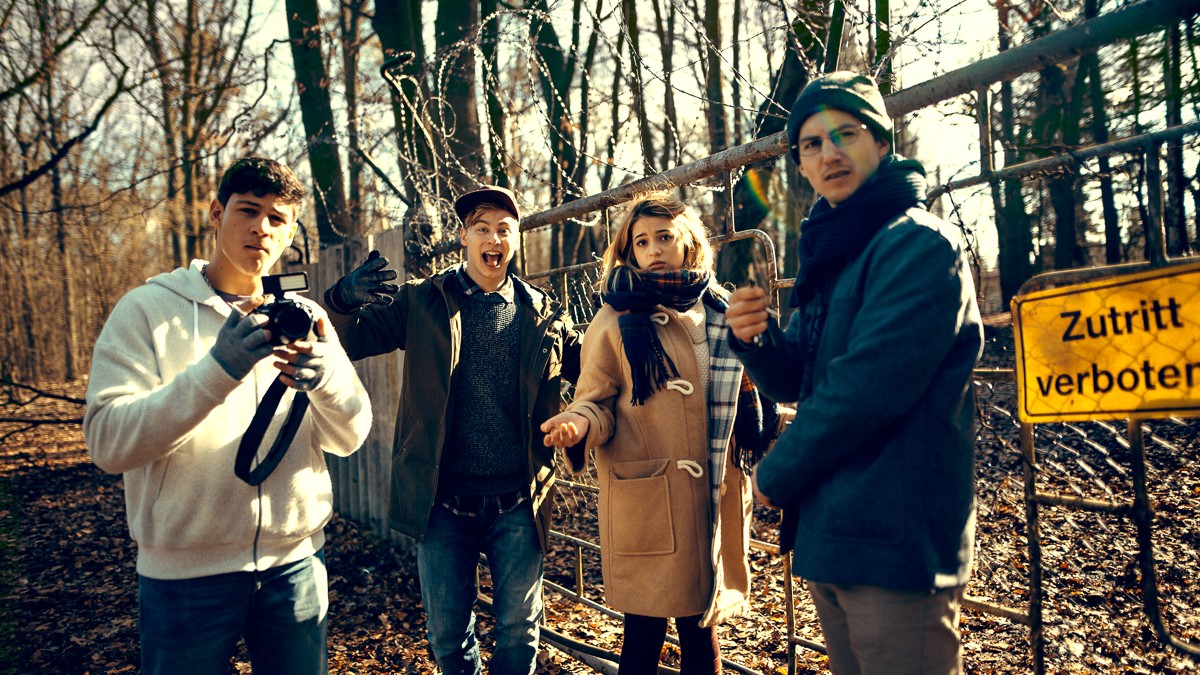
x,y
842,137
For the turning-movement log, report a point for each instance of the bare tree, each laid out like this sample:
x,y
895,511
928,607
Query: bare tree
x,y
497,119
456,29
667,39
398,23
201,64
1012,220
350,20
638,106
316,108
714,93
804,46
1175,222
1090,64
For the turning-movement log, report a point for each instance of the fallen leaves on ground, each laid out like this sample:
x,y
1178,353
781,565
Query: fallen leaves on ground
x,y
75,584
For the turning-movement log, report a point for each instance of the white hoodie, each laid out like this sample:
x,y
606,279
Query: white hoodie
x,y
164,413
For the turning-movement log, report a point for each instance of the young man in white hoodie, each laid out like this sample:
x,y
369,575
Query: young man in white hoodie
x,y
180,368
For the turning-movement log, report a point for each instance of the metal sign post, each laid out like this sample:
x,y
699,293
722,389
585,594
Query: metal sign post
x,y
1119,347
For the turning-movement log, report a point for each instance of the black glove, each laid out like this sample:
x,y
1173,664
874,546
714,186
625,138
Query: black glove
x,y
364,286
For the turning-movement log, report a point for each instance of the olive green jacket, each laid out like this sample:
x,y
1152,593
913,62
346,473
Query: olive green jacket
x,y
424,321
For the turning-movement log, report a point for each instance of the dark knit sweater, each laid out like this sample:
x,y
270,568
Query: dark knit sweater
x,y
483,453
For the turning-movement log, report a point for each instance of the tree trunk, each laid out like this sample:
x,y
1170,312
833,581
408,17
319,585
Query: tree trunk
x,y
66,266
167,97
398,24
638,107
1053,105
714,92
350,18
582,241
1090,63
187,133
497,123
883,44
27,364
458,119
1012,221
666,40
1135,114
736,82
751,195
1174,220
557,72
610,149
316,109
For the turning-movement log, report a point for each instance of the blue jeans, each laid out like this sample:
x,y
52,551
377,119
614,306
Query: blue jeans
x,y
446,561
191,626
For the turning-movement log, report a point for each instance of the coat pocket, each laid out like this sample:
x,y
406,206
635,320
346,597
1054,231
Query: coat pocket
x,y
639,506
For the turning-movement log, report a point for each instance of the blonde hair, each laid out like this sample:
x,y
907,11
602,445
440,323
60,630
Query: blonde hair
x,y
698,254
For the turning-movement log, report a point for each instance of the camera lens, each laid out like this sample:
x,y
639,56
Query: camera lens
x,y
293,322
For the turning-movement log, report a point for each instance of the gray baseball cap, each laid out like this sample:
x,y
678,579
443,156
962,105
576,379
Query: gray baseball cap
x,y
488,194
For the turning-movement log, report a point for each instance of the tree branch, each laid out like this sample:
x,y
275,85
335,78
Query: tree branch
x,y
36,75
38,393
65,148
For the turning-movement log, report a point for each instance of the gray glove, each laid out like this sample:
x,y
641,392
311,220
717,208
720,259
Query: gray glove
x,y
241,343
365,285
312,368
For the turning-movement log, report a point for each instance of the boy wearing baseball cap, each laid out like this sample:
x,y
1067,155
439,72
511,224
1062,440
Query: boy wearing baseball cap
x,y
875,476
485,352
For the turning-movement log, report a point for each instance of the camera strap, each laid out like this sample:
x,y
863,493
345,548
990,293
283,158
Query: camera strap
x,y
258,427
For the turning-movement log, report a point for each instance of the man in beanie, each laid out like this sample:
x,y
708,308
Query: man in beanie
x,y
875,475
484,354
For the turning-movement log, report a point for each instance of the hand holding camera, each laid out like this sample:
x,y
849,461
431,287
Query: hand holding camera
x,y
241,342
303,364
366,285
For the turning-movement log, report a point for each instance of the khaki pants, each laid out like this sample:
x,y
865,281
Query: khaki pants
x,y
876,631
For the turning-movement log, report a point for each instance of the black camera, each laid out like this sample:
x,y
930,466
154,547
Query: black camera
x,y
287,319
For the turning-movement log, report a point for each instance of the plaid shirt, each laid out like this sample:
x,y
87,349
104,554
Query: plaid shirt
x,y
467,285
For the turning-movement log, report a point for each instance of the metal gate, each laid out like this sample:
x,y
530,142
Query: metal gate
x,y
572,282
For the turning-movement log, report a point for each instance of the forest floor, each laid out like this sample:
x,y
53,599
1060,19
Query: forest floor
x,y
68,583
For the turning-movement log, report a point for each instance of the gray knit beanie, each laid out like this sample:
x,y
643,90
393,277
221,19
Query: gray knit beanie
x,y
846,91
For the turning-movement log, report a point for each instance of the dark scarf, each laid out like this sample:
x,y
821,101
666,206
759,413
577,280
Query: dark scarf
x,y
756,420
833,236
755,427
637,294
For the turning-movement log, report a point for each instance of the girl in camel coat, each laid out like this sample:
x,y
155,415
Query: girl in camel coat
x,y
657,396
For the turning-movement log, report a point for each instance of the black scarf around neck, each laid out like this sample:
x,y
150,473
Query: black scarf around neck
x,y
832,236
637,294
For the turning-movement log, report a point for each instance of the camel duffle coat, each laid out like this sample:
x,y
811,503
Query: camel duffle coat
x,y
665,551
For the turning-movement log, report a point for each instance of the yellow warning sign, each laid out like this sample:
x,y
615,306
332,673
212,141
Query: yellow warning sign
x,y
1126,346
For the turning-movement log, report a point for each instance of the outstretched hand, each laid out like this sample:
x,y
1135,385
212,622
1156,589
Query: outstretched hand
x,y
367,284
565,429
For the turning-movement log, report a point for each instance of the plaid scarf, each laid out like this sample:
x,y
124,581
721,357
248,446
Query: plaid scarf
x,y
637,294
734,403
